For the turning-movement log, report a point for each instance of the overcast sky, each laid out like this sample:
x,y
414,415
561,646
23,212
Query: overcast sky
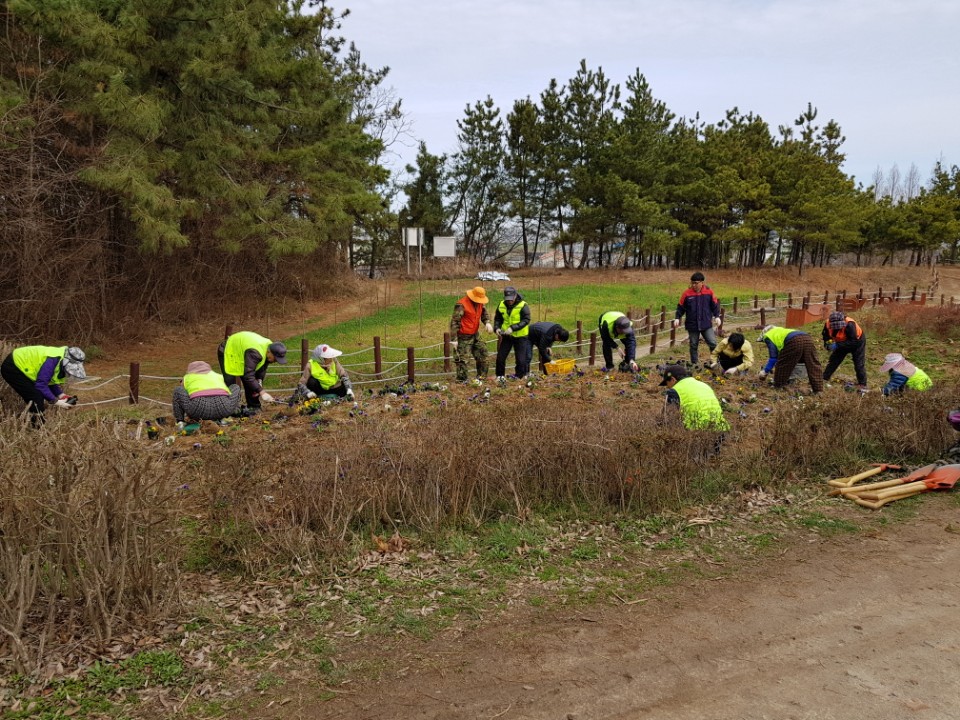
x,y
888,71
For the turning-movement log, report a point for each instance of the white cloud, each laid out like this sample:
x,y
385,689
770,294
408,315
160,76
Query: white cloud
x,y
886,71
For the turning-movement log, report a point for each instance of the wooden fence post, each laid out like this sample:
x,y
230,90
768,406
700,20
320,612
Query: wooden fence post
x,y
735,301
377,357
663,316
411,365
646,321
134,383
593,349
653,341
673,335
446,352
773,300
789,300
763,317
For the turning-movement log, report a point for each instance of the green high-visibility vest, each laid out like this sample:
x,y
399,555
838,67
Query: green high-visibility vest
x,y
237,345
31,358
512,317
699,407
608,319
778,336
198,382
919,381
326,378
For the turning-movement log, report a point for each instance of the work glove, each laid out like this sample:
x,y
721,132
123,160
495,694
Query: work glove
x,y
350,393
710,364
762,374
63,404
508,331
831,347
499,331
489,327
453,344
716,321
265,396
676,322
732,371
634,367
310,395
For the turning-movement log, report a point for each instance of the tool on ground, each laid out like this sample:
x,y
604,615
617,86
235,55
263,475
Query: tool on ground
x,y
853,479
941,478
847,491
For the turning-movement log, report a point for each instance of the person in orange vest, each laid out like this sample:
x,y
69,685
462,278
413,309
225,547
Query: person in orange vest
x,y
204,395
469,314
842,336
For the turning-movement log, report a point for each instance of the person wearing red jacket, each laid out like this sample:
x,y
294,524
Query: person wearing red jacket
x,y
842,336
702,311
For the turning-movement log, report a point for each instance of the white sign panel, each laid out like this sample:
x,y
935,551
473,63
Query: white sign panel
x,y
412,236
444,246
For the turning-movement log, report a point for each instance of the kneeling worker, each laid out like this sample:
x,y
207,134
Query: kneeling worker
x,y
733,354
203,395
698,405
324,375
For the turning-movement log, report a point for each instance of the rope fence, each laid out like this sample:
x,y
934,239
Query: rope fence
x,y
653,329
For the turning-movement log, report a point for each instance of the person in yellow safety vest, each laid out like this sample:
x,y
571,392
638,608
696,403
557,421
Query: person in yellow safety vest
x,y
246,356
903,374
842,336
788,347
698,405
38,374
324,375
615,326
512,323
204,395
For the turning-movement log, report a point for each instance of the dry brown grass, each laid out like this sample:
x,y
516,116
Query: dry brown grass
x,y
87,537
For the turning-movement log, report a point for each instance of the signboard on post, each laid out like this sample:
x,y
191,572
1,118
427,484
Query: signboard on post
x,y
413,237
444,246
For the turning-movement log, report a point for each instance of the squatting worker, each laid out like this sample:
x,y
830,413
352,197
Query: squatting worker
x,y
512,323
616,326
203,395
903,375
469,314
246,356
38,374
842,336
542,336
702,311
732,354
787,347
324,375
698,405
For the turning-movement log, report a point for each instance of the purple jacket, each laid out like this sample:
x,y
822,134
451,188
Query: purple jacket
x,y
44,376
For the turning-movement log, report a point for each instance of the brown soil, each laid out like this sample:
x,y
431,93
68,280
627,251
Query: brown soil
x,y
854,626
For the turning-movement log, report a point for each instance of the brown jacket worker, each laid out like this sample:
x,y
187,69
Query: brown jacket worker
x,y
246,356
615,326
842,336
324,375
37,373
512,323
732,354
204,395
469,314
787,347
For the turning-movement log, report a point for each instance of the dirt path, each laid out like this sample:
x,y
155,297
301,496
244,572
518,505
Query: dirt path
x,y
856,626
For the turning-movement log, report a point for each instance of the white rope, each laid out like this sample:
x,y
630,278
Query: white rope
x,y
94,387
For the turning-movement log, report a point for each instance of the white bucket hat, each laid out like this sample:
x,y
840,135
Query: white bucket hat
x,y
325,352
72,363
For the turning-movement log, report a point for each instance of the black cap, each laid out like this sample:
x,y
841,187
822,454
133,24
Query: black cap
x,y
509,292
674,372
279,352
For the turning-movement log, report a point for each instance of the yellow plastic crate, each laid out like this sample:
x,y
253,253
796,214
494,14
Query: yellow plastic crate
x,y
560,367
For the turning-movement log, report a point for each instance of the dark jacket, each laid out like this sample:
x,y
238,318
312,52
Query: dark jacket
x,y
524,316
542,335
700,309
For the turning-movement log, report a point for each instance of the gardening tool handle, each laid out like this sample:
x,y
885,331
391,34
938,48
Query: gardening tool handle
x,y
876,505
869,487
848,481
907,489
